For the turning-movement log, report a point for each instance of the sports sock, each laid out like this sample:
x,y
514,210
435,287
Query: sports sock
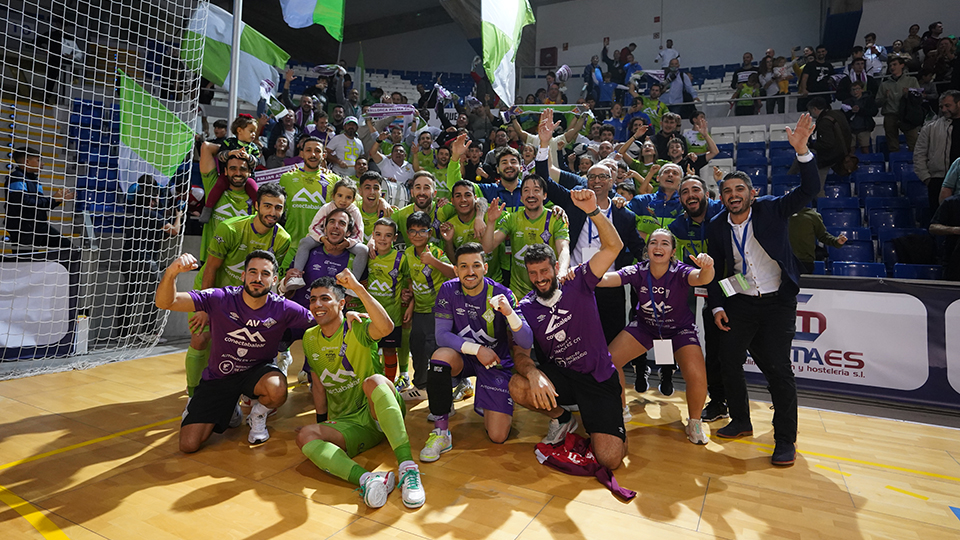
x,y
390,417
390,363
565,417
442,422
403,360
195,362
332,459
438,388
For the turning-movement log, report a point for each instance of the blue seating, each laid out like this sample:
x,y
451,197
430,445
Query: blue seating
x,y
917,271
871,158
726,151
842,217
871,168
761,189
751,160
882,189
757,173
874,177
833,191
871,203
859,269
852,233
819,268
754,148
901,169
781,163
853,251
891,218
900,157
841,203
782,184
915,189
885,239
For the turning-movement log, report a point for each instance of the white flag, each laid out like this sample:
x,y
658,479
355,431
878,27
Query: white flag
x,y
502,22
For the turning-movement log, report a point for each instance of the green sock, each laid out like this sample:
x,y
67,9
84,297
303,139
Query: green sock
x,y
195,363
332,459
390,417
403,354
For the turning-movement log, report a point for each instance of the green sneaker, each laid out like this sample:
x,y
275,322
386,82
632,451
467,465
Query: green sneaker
x,y
438,443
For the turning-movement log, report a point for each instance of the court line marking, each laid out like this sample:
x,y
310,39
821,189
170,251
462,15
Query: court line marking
x,y
832,470
40,522
910,493
820,455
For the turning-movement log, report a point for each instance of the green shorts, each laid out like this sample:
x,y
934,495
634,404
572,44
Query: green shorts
x,y
202,330
360,430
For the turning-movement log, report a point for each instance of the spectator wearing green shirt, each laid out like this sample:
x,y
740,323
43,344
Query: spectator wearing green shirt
x,y
234,202
806,227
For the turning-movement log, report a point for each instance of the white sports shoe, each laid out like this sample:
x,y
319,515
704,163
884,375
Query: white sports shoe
x,y
695,431
237,419
414,394
284,361
411,487
437,443
557,432
627,415
377,488
463,390
303,378
433,418
257,420
295,283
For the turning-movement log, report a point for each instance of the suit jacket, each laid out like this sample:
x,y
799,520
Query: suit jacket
x,y
770,215
623,219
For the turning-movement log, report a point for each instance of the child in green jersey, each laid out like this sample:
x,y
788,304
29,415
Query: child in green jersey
x,y
387,276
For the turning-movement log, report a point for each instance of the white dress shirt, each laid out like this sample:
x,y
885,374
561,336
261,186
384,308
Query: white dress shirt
x,y
762,272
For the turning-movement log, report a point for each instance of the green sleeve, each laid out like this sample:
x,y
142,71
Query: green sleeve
x,y
280,250
561,229
446,212
361,330
223,241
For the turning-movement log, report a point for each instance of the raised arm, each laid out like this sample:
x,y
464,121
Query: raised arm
x,y
491,236
380,323
167,296
704,272
701,127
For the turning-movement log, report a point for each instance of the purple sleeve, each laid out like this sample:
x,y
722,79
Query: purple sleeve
x,y
684,270
206,299
523,337
445,335
298,316
630,275
588,279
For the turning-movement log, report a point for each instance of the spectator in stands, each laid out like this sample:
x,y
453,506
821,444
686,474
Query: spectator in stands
x,y
499,141
27,206
396,171
769,80
303,115
666,55
337,116
276,159
860,108
942,60
799,62
951,181
857,73
286,127
875,55
938,146
589,78
679,87
912,42
219,131
815,78
931,38
344,149
650,105
946,222
319,93
744,98
898,50
321,129
481,120
669,129
806,228
360,167
618,121
833,137
348,97
889,99
742,74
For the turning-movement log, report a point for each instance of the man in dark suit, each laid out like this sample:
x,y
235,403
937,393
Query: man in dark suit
x,y
754,295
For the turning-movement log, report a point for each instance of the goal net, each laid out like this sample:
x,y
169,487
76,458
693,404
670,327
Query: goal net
x,y
99,115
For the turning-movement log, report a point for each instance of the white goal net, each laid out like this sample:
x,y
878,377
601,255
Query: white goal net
x,y
98,121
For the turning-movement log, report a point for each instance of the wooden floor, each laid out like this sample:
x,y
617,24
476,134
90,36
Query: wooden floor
x,y
93,454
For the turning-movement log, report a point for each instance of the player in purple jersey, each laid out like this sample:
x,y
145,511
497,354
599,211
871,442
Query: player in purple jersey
x,y
662,286
472,315
246,324
577,369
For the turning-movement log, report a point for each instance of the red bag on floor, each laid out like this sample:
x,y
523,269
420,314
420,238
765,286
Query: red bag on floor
x,y
575,457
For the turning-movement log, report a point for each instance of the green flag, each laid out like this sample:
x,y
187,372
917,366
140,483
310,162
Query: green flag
x,y
304,13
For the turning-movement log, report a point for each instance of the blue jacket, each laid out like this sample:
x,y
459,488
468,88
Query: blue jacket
x,y
685,229
770,215
26,202
641,205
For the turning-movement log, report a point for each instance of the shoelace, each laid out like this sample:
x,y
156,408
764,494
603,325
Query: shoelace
x,y
411,478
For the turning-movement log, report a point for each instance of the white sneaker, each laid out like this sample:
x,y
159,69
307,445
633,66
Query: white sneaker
x,y
557,432
258,424
627,415
437,443
414,394
463,390
433,418
295,283
377,488
284,361
695,431
411,487
303,378
237,419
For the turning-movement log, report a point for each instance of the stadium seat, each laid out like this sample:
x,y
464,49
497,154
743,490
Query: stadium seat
x,y
870,189
836,190
885,239
859,269
871,203
852,233
839,203
757,173
891,218
915,189
723,130
842,217
901,169
751,159
753,134
917,271
871,158
869,168
819,268
900,157
853,251
778,133
781,160
726,151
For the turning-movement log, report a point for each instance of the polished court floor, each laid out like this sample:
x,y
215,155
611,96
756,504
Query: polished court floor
x,y
93,455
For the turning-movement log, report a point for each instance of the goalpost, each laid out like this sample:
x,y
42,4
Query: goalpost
x,y
99,113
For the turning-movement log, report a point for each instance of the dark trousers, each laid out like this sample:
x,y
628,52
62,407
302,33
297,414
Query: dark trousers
x,y
773,103
933,193
766,326
612,305
43,235
712,337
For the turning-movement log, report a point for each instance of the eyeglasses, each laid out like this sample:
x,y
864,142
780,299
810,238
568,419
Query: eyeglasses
x,y
418,232
600,176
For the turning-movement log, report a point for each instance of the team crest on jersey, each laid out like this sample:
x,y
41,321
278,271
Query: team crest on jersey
x,y
427,270
269,322
560,335
545,236
234,316
244,334
241,352
557,319
226,367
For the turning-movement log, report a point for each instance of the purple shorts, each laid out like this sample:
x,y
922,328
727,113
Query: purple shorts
x,y
679,337
493,386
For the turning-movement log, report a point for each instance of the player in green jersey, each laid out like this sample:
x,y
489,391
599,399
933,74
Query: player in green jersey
x,y
429,268
440,169
234,202
369,201
357,406
459,229
532,224
423,193
307,191
387,276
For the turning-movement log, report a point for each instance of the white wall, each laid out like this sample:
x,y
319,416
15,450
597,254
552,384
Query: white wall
x,y
877,18
440,48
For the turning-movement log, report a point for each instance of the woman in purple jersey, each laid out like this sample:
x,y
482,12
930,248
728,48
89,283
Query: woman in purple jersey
x,y
662,284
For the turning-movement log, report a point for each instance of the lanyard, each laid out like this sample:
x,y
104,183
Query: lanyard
x,y
545,235
590,236
396,269
742,243
703,232
653,302
272,239
426,271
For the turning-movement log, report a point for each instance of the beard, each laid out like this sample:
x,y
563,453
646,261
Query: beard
x,y
700,209
554,285
255,294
